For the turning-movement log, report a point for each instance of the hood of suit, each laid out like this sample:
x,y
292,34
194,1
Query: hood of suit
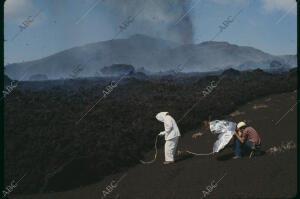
x,y
161,116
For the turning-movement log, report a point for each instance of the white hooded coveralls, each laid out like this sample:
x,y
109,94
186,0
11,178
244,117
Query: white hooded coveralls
x,y
171,134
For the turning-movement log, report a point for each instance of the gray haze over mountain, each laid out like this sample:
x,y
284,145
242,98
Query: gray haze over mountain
x,y
156,18
167,23
152,54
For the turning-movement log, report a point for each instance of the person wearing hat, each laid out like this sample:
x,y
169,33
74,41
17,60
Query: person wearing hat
x,y
171,134
247,136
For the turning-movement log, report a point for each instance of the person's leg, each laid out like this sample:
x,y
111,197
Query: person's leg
x,y
237,147
248,144
248,147
170,149
257,149
168,152
174,147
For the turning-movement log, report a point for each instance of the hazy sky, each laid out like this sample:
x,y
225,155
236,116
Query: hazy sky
x,y
269,25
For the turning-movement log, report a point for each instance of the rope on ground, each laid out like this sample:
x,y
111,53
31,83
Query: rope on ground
x,y
155,156
198,154
155,145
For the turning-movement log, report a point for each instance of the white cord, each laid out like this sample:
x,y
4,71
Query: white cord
x,y
199,153
155,156
150,162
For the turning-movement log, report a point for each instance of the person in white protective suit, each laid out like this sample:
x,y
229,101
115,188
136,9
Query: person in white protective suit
x,y
171,134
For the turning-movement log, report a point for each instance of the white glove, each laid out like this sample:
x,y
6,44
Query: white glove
x,y
161,133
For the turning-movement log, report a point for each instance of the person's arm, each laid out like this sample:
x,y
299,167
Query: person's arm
x,y
162,133
168,125
241,139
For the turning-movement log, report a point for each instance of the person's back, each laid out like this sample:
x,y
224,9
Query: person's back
x,y
170,123
251,135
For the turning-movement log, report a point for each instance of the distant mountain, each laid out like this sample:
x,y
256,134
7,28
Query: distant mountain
x,y
38,77
150,54
117,69
7,80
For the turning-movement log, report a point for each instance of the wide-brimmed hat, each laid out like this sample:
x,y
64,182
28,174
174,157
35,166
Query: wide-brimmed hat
x,y
241,124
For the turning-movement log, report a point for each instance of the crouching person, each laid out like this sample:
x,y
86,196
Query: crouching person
x,y
171,134
248,137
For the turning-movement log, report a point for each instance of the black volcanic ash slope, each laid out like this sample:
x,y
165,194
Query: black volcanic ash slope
x,y
43,137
